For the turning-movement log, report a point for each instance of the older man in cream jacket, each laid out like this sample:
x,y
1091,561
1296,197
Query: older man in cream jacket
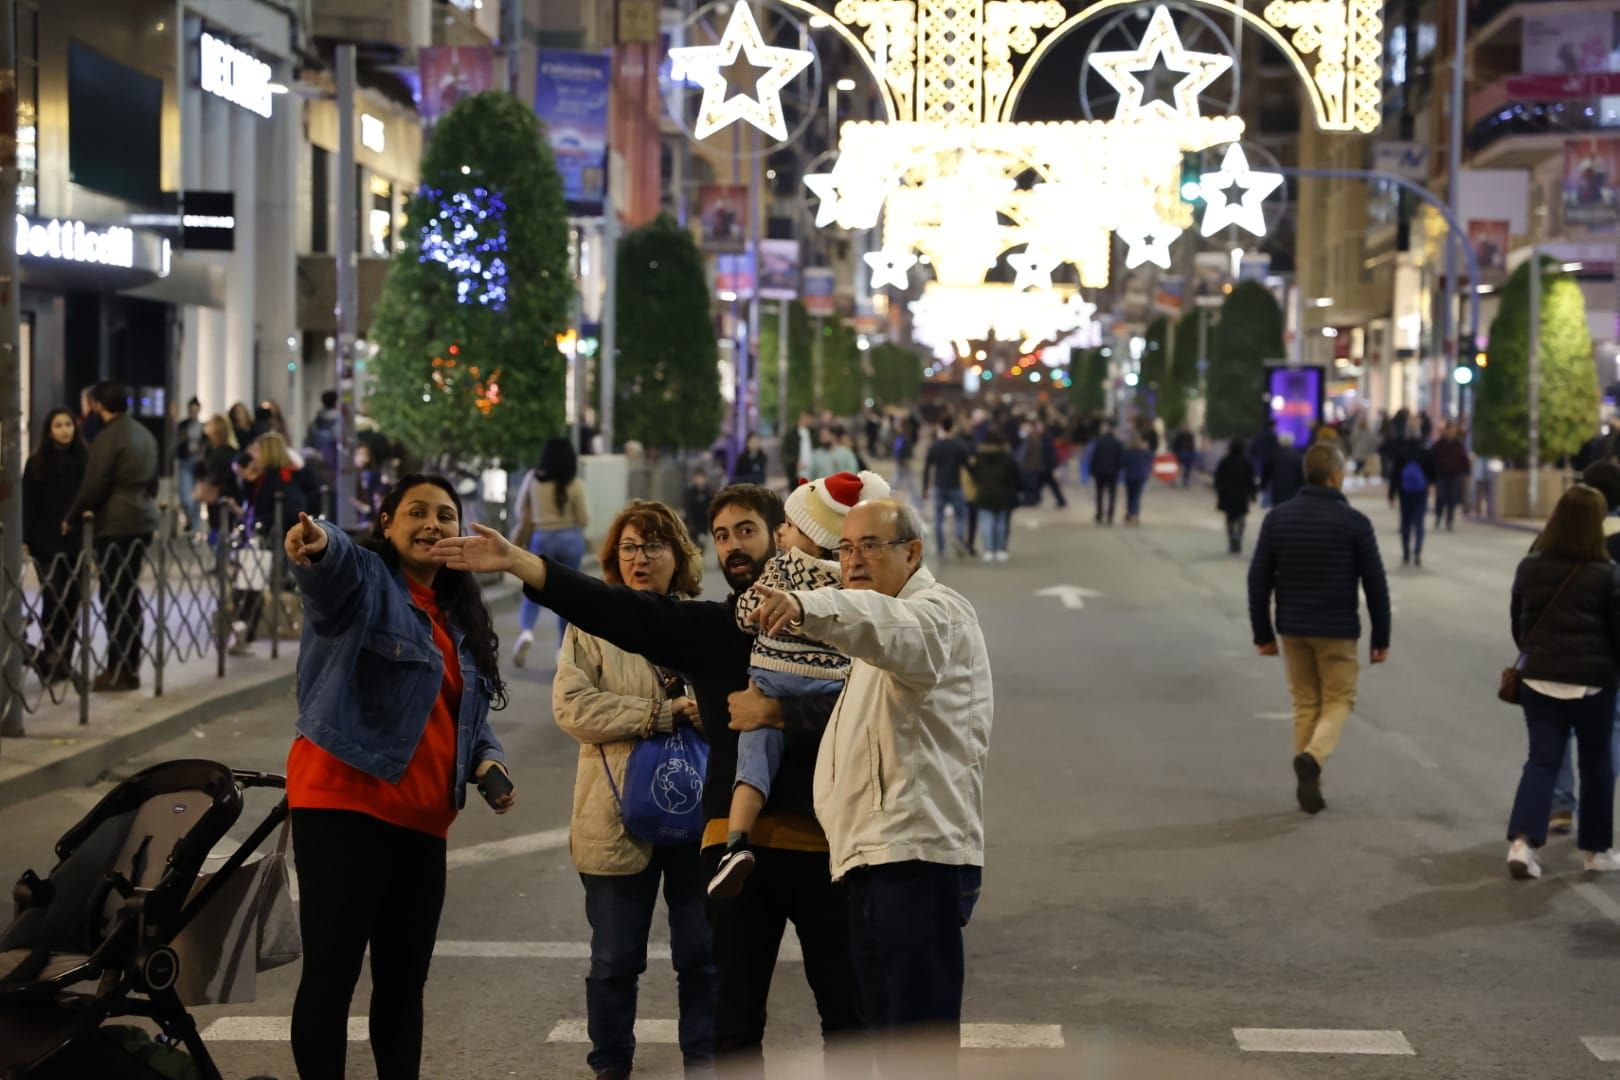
x,y
899,783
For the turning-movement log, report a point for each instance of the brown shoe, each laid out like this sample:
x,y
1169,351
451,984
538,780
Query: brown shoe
x,y
1562,823
114,682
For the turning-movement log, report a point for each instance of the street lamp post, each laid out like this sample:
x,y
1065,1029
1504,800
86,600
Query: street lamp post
x,y
1534,376
347,286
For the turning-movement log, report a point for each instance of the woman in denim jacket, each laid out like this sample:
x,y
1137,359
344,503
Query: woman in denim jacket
x,y
397,675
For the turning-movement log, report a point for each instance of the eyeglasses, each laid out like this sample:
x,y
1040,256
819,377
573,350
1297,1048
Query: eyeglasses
x,y
869,549
652,549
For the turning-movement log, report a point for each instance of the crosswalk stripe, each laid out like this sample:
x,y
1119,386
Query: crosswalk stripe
x,y
1603,1047
974,1036
513,846
1321,1041
270,1029
791,952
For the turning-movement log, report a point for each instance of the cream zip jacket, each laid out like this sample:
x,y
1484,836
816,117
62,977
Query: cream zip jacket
x,y
606,699
900,773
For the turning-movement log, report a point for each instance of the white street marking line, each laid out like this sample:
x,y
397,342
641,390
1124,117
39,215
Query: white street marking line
x,y
1073,597
1012,1037
270,1029
974,1036
791,952
511,847
1273,716
1603,1047
1410,749
1321,1041
1605,904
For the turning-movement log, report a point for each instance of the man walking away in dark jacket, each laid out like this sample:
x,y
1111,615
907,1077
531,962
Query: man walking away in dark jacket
x,y
1234,492
1284,475
1312,553
120,482
1107,458
1451,468
943,471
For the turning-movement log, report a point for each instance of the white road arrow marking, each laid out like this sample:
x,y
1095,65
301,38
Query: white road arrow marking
x,y
1073,596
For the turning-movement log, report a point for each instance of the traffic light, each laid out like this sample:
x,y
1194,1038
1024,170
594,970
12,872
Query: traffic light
x,y
1192,175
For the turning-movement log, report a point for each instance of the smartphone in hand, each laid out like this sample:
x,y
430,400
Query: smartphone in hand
x,y
495,785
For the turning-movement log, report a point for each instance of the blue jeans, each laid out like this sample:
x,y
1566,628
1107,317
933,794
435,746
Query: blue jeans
x,y
1133,497
620,911
759,752
905,935
958,504
1564,789
993,525
1414,507
565,547
1549,722
1187,463
1085,464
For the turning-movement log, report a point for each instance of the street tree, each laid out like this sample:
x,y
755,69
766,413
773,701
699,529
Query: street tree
x,y
801,363
1181,377
842,380
668,374
896,375
1569,385
467,363
1249,333
1088,371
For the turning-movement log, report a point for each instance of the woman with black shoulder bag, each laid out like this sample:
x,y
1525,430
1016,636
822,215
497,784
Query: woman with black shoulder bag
x,y
1566,624
608,700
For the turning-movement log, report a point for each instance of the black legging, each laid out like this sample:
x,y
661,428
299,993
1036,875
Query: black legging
x,y
59,596
363,881
1109,486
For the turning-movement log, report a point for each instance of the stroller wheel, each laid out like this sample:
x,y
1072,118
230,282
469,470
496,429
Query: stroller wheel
x,y
161,969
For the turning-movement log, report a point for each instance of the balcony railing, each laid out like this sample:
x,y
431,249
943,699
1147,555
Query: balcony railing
x,y
1508,107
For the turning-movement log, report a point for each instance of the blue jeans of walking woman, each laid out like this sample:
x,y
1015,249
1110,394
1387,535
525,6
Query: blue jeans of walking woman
x,y
1414,506
1549,721
1564,790
565,547
620,911
993,527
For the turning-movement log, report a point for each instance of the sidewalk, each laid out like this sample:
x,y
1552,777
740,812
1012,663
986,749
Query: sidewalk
x,y
58,752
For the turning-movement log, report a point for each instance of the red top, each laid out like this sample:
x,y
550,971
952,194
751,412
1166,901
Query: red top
x,y
421,800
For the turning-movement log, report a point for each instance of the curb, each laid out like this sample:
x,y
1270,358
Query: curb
x,y
87,764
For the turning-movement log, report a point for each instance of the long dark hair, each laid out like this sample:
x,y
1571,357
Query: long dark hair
x,y
558,464
455,591
1574,532
46,444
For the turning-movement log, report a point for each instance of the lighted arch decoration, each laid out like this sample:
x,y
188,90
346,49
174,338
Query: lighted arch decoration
x,y
1344,38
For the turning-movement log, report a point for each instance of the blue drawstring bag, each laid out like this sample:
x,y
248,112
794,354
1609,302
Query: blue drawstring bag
x,y
662,800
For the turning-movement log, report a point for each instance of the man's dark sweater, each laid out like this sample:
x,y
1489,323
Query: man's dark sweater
x,y
1313,551
701,640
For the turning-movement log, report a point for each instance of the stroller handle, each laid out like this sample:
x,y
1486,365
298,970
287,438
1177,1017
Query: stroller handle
x,y
249,779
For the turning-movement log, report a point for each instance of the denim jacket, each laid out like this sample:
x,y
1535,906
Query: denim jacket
x,y
368,671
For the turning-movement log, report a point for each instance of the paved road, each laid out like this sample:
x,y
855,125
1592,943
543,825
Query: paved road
x,y
1152,894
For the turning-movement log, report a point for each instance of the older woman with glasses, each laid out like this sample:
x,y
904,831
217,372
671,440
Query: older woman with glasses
x,y
607,699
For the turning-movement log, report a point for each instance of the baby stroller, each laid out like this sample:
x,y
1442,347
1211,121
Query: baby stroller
x,y
97,938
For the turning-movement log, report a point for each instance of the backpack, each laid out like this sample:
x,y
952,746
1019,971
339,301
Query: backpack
x,y
662,800
1413,479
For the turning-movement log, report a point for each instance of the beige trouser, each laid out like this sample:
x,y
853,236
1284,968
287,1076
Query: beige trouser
x,y
1322,678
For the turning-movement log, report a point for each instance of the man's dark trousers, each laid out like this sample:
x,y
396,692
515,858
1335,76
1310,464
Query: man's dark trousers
x,y
905,923
784,886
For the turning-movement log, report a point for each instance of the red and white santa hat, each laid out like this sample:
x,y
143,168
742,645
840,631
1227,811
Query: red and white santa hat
x,y
818,507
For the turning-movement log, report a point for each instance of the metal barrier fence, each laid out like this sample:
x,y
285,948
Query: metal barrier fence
x,y
95,619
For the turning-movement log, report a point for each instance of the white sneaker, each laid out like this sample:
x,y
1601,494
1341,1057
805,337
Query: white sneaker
x,y
520,651
1001,556
1598,862
988,556
1522,864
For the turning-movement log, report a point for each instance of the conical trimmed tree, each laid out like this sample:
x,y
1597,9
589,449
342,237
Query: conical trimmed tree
x,y
1087,370
1181,378
467,363
1569,384
801,364
668,376
1250,333
896,375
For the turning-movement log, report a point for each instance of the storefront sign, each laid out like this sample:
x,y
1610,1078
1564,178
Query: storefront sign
x,y
1592,183
208,221
239,77
373,136
71,241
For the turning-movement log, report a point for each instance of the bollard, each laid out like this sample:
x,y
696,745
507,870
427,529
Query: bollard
x,y
273,587
86,557
161,632
222,582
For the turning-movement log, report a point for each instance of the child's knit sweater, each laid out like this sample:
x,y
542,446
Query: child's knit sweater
x,y
790,571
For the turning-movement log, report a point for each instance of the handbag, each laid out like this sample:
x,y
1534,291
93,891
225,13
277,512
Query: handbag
x,y
1511,687
662,800
523,531
250,925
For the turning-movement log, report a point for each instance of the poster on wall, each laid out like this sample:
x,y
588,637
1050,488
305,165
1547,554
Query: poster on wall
x,y
723,210
1489,239
820,287
1168,296
733,276
571,99
1212,278
1591,171
1568,43
451,73
778,269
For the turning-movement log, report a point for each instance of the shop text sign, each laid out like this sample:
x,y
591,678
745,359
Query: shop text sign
x,y
74,241
239,77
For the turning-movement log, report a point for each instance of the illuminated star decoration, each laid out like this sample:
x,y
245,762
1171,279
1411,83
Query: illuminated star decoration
x,y
890,267
1033,269
1233,195
1148,241
853,202
742,53
1080,309
1160,47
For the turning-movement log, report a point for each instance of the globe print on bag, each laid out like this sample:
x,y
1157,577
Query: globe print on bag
x,y
663,788
677,787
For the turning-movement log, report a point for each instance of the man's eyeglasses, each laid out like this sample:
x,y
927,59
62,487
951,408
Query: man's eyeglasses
x,y
652,549
869,549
